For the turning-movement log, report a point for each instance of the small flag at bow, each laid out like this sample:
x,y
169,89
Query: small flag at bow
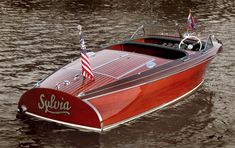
x,y
86,67
191,21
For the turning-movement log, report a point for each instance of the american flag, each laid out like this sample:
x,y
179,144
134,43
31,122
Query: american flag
x,y
86,67
191,21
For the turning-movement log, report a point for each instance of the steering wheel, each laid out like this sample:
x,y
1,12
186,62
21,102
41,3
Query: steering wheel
x,y
190,46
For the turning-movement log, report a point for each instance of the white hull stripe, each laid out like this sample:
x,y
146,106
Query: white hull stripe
x,y
65,123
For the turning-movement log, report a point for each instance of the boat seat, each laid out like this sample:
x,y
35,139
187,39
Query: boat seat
x,y
162,51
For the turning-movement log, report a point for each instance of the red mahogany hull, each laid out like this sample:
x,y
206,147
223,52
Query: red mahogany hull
x,y
122,106
110,110
132,79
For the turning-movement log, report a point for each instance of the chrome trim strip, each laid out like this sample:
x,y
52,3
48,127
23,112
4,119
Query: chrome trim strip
x,y
152,110
65,123
97,113
134,69
95,109
207,40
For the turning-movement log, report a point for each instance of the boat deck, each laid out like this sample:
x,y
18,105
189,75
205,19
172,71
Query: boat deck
x,y
107,65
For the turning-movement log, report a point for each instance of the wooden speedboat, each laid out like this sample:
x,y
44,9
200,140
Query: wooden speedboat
x,y
132,78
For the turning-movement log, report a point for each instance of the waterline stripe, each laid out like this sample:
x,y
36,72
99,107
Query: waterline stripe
x,y
65,123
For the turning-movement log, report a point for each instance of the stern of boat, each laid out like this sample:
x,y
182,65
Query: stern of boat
x,y
56,106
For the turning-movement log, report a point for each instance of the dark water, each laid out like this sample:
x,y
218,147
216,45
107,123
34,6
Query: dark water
x,y
39,36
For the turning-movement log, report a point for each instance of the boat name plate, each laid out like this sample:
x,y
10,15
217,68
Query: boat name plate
x,y
54,105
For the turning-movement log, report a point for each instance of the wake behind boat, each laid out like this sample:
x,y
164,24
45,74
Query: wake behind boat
x,y
121,82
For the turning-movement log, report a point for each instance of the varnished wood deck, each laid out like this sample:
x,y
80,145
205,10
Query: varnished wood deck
x,y
107,65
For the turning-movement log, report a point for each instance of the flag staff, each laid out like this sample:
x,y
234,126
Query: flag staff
x,y
86,66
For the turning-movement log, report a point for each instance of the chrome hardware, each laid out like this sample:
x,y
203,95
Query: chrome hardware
x,y
208,42
150,64
22,109
81,94
57,86
190,47
66,82
186,59
37,84
77,76
137,30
